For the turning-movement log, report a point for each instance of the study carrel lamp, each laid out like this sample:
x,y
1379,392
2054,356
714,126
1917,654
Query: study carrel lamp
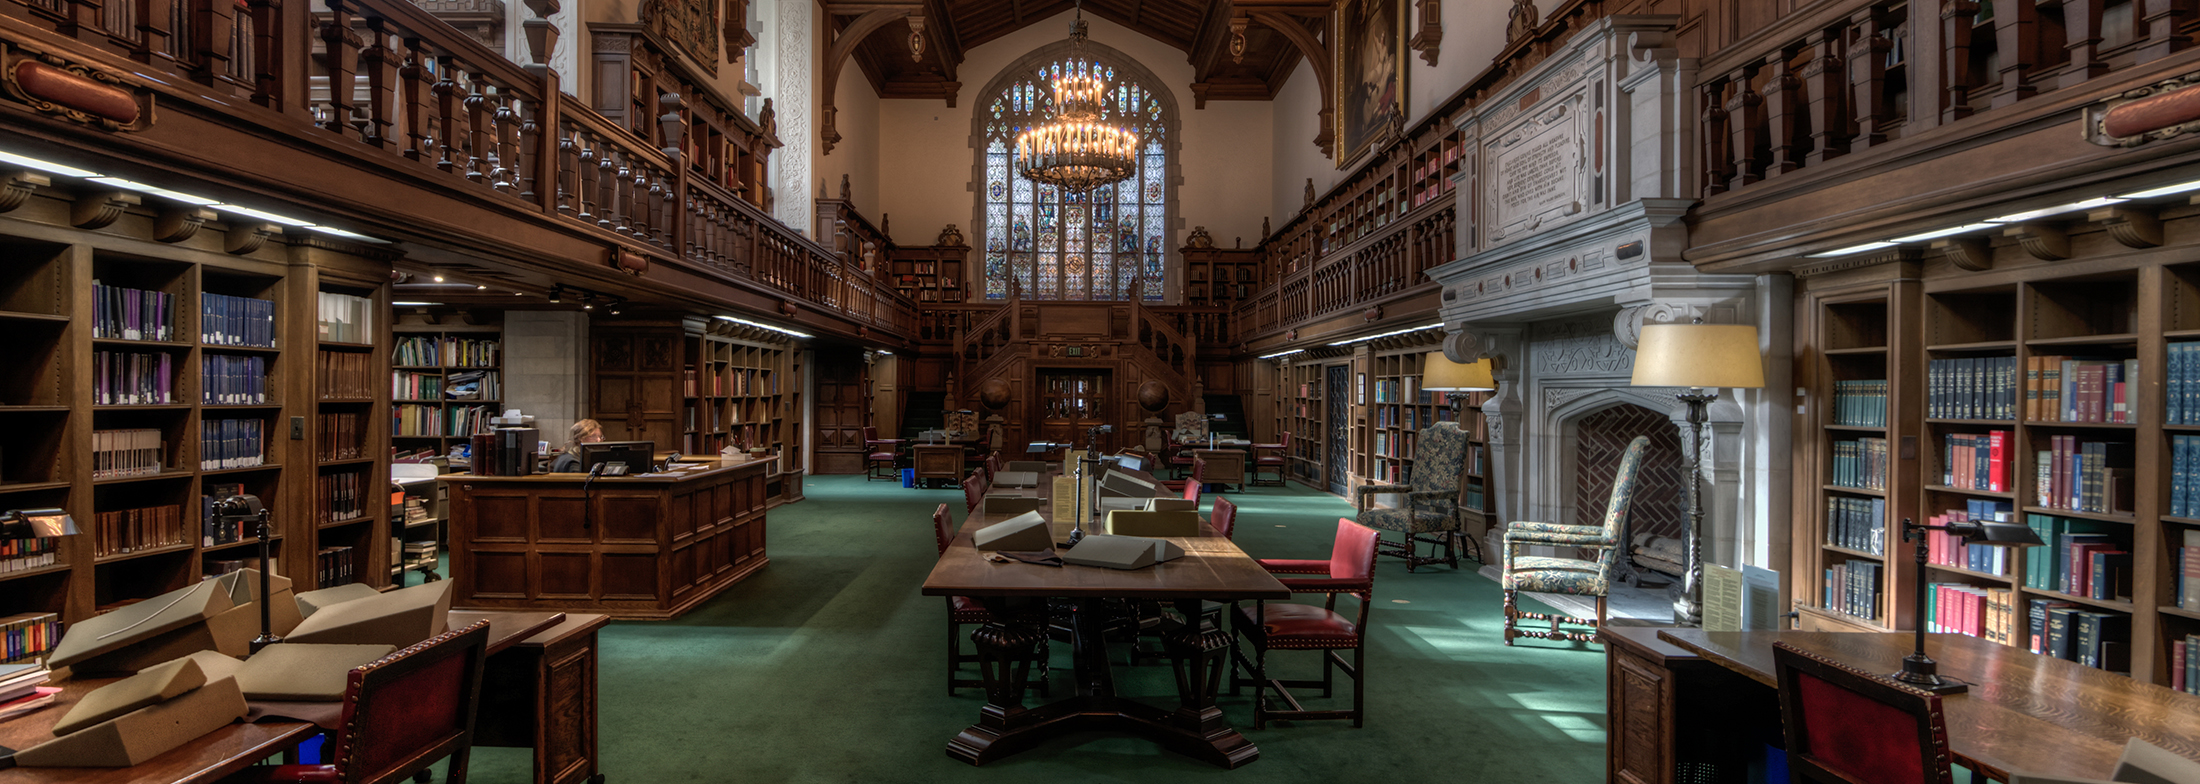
x,y
1918,669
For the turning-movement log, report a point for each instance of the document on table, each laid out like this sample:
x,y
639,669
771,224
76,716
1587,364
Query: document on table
x,y
1722,599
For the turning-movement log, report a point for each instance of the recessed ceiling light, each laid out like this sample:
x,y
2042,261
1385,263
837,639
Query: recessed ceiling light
x,y
483,287
439,279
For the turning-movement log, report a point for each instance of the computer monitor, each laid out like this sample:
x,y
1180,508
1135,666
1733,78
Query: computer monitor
x,y
636,455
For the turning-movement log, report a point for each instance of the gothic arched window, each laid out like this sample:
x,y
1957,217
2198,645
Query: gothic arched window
x,y
1061,245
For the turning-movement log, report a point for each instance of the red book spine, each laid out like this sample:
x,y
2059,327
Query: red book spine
x,y
1997,463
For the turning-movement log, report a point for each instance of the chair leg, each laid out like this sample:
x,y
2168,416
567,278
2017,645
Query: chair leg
x,y
1359,683
1511,614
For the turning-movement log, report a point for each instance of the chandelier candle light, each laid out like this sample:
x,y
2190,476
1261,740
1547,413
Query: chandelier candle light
x,y
1075,150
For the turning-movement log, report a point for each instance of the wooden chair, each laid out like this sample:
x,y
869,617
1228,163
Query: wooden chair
x,y
1571,576
402,713
974,490
1430,514
964,611
1278,462
1223,517
1849,726
1197,479
879,452
1350,569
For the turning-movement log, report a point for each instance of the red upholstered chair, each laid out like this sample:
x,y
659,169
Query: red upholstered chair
x,y
1846,725
1181,459
1350,569
992,466
1223,517
880,453
974,490
1196,480
1276,462
963,611
402,713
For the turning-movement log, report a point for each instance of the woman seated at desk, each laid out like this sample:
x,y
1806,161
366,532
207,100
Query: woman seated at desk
x,y
585,431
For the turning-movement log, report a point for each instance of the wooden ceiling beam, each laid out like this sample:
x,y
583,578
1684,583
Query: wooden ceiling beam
x,y
842,46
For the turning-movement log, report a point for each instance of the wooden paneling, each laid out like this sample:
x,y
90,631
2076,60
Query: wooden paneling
x,y
842,409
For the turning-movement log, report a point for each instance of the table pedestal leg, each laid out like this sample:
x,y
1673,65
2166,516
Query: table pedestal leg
x,y
1005,649
1199,652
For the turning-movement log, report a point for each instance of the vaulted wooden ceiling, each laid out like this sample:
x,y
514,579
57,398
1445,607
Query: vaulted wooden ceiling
x,y
1201,29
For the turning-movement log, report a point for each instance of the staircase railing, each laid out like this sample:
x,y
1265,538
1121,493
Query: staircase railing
x,y
982,347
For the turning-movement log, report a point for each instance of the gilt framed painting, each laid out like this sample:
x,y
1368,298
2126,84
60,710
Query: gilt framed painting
x,y
1370,73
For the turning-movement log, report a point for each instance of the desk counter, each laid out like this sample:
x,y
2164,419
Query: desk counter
x,y
650,546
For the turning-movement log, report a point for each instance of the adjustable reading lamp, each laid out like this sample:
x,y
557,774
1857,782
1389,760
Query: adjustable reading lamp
x,y
239,508
1918,669
1703,358
36,524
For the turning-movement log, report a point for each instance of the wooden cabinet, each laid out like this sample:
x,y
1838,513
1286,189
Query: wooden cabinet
x,y
1219,276
932,273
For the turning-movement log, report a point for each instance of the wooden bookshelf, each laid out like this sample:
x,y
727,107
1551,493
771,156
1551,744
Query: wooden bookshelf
x,y
431,362
346,529
696,385
930,273
1221,276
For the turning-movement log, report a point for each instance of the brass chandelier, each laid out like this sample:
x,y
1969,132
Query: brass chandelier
x,y
1076,150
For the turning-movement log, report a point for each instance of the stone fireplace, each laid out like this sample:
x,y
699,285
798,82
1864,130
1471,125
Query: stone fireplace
x,y
1581,172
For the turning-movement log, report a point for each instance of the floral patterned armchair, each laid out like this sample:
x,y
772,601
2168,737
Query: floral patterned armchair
x,y
1573,576
1431,511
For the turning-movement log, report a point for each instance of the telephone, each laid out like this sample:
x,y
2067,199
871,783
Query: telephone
x,y
614,468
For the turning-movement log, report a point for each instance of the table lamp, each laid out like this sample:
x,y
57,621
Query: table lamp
x,y
1704,358
1440,374
36,524
1918,669
245,507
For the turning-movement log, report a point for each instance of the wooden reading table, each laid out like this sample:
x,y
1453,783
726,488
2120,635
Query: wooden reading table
x,y
2024,713
1016,593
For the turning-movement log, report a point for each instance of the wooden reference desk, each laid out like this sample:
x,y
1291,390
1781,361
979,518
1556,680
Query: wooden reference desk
x,y
649,546
2024,712
234,747
1017,593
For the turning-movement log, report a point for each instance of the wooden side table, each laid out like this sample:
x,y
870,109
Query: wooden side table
x,y
541,694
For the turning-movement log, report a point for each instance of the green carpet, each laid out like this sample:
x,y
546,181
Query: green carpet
x,y
826,667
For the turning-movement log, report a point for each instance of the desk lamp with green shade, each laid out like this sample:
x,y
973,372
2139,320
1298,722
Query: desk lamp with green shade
x,y
1703,358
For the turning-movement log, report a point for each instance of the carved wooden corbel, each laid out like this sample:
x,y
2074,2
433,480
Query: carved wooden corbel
x,y
836,54
2045,241
100,209
16,188
245,238
1972,253
2134,227
1431,34
180,222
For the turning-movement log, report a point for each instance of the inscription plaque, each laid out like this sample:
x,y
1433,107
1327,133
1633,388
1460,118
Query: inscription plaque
x,y
1537,175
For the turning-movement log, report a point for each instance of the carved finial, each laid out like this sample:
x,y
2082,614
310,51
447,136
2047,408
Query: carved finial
x,y
1199,238
847,192
1525,19
950,236
1264,232
1237,39
1310,193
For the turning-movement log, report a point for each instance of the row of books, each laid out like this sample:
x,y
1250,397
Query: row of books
x,y
236,321
1860,403
131,530
2080,558
132,452
232,443
341,437
2184,476
28,636
333,567
732,381
227,380
409,385
215,531
2094,638
444,351
1947,549
414,420
2187,574
2078,389
1395,390
2182,378
1985,613
1976,461
1388,444
132,314
1853,588
22,555
133,378
1861,463
473,385
1857,523
340,497
344,374
343,318
2184,664
1971,388
2084,476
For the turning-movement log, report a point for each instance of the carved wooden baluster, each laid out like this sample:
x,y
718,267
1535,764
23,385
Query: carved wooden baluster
x,y
1827,92
2082,23
569,166
154,18
2017,45
1718,167
446,113
585,177
476,162
1957,18
1783,101
212,32
530,135
1868,78
377,61
340,58
608,172
507,144
412,78
1745,116
2163,23
268,45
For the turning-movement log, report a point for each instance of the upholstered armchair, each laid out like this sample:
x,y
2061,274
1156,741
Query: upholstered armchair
x,y
1571,576
1431,507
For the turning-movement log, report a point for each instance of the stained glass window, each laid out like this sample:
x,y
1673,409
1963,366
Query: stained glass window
x,y
1078,246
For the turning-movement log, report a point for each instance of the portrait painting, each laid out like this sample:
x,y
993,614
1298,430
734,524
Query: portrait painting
x,y
1370,73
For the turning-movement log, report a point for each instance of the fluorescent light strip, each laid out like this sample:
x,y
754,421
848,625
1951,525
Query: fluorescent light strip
x,y
266,216
1851,250
45,166
1387,334
155,190
415,304
885,352
761,325
1283,353
2059,209
1949,232
336,232
2166,190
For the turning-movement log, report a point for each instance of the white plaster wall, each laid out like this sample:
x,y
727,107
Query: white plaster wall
x,y
1298,110
925,155
857,154
546,368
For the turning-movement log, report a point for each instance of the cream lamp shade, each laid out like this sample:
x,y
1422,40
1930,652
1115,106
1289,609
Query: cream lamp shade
x,y
1711,356
1440,374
